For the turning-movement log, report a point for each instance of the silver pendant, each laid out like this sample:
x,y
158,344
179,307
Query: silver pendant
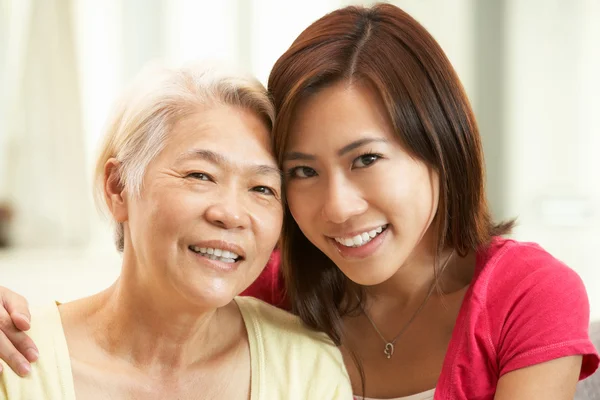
x,y
389,350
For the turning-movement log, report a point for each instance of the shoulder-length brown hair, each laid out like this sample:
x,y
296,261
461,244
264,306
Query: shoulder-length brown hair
x,y
387,49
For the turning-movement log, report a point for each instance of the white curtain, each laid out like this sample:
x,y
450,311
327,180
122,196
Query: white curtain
x,y
43,161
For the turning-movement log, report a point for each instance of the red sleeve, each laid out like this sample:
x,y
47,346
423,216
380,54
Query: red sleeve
x,y
269,285
544,315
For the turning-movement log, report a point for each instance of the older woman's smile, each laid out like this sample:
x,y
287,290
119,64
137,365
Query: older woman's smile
x,y
219,251
215,253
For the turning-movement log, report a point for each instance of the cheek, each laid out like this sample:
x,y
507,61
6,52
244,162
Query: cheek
x,y
171,212
407,191
301,205
268,222
433,190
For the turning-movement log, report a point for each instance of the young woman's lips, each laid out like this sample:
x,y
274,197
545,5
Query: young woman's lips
x,y
363,251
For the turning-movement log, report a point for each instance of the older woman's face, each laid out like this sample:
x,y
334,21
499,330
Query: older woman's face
x,y
210,211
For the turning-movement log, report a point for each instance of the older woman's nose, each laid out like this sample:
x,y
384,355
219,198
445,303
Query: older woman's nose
x,y
228,213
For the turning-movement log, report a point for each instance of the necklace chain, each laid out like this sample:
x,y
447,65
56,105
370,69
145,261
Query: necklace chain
x,y
388,350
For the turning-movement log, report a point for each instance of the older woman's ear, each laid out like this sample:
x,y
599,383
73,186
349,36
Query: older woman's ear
x,y
114,190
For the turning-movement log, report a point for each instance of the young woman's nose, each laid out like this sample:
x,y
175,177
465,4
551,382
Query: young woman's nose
x,y
342,201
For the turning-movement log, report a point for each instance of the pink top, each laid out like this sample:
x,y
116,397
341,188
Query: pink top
x,y
523,307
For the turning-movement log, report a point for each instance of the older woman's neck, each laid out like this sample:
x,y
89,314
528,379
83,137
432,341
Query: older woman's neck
x,y
156,332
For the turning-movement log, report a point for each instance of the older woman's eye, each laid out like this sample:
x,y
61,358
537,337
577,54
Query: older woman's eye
x,y
200,176
267,191
301,172
365,160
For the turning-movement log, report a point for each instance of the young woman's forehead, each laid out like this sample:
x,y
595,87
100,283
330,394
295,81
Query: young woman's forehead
x,y
340,114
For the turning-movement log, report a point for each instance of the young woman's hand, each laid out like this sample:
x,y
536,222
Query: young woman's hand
x,y
16,348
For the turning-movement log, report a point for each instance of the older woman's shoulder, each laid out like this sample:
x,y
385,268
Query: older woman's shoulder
x,y
290,360
267,319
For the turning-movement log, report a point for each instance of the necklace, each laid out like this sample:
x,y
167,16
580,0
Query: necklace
x,y
388,350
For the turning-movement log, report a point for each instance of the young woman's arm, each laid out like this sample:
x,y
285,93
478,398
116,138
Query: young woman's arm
x,y
551,380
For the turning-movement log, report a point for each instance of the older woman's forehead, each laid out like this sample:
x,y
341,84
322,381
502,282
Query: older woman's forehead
x,y
224,125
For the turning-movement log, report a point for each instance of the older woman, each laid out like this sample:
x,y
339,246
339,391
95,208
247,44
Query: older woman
x,y
187,174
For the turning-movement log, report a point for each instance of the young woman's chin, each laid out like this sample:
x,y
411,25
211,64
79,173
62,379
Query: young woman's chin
x,y
368,274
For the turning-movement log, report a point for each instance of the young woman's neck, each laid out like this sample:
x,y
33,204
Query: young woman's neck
x,y
415,277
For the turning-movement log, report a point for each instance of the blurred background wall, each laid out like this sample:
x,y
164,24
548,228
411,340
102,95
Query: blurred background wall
x,y
530,69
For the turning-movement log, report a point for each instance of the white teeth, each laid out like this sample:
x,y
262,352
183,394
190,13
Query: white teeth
x,y
216,254
362,239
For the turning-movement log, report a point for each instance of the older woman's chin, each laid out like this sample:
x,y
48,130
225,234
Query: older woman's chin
x,y
213,292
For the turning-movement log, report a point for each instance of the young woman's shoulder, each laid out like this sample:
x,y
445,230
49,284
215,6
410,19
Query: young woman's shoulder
x,y
534,306
508,268
512,259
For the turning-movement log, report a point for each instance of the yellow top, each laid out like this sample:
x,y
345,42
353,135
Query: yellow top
x,y
50,376
288,360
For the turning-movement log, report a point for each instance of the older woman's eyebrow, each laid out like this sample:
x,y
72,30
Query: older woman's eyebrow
x,y
222,161
207,155
267,170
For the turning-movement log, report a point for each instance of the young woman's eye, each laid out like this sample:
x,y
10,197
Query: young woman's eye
x,y
267,191
365,160
201,176
302,172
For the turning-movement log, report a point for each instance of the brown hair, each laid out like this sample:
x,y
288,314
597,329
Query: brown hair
x,y
388,50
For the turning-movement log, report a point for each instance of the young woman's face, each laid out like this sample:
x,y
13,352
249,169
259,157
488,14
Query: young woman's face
x,y
354,191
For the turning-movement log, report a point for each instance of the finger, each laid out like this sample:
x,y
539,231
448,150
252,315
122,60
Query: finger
x,y
24,345
20,321
19,340
12,357
17,307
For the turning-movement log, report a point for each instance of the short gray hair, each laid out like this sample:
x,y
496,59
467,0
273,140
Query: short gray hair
x,y
157,99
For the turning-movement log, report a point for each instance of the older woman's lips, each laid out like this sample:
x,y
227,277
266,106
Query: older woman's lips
x,y
223,255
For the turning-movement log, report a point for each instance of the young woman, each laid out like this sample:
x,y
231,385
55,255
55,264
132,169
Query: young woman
x,y
387,242
388,245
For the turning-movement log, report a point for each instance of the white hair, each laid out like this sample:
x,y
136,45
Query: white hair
x,y
157,99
